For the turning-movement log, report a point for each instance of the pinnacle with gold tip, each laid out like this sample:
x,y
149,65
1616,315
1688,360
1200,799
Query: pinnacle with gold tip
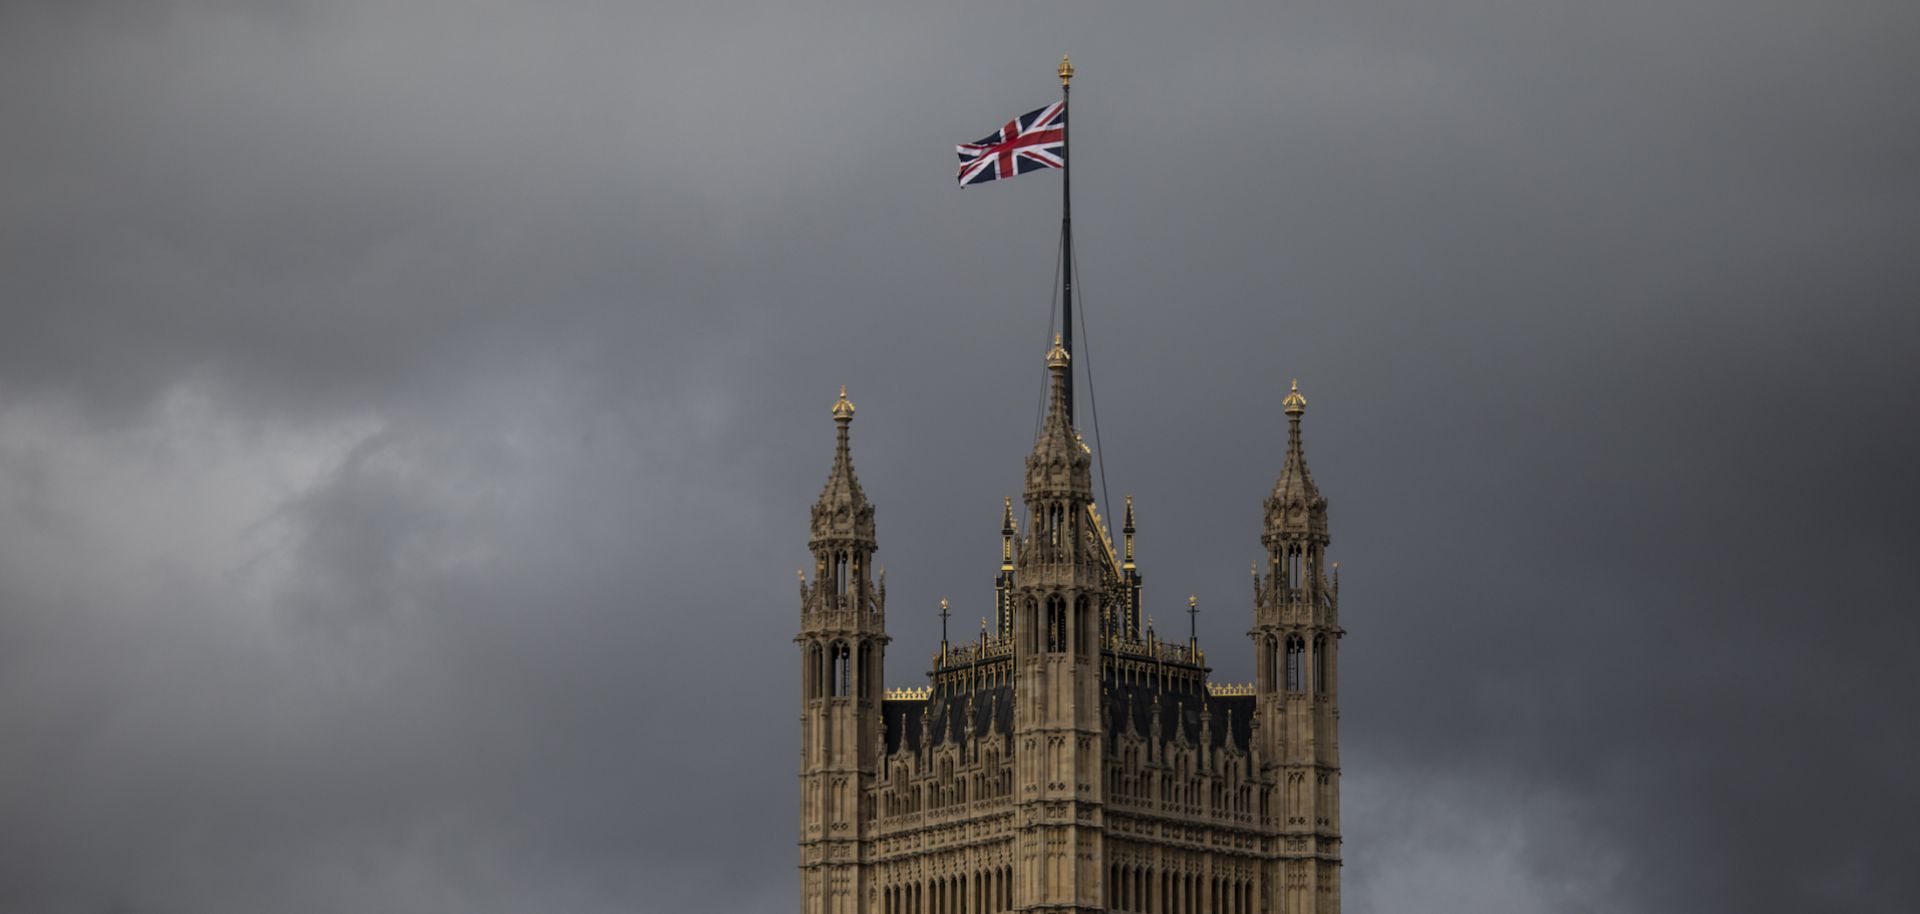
x,y
1295,403
1057,357
843,407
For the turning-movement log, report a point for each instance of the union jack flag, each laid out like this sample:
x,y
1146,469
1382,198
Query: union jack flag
x,y
1030,142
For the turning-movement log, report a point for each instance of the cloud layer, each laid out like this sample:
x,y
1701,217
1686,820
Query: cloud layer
x,y
408,414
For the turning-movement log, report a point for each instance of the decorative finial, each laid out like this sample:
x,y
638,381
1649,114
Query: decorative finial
x,y
1007,532
1295,403
1065,71
843,407
1057,356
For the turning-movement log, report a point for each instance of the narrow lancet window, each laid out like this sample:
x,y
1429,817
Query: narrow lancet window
x,y
1295,649
1082,619
1320,666
841,662
1056,624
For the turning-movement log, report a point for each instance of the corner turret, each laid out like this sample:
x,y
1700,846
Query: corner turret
x,y
1296,635
842,639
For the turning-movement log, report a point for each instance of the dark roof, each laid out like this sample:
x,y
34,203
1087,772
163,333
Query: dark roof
x,y
948,724
1139,704
992,710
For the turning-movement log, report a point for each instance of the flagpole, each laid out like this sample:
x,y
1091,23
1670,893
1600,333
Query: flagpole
x,y
1066,228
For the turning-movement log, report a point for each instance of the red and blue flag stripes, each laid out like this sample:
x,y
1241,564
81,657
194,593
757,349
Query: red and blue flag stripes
x,y
1030,142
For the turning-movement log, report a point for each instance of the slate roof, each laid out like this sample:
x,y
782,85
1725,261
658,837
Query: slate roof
x,y
993,713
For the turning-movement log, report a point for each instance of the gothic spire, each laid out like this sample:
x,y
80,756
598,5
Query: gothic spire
x,y
842,514
1060,464
1296,507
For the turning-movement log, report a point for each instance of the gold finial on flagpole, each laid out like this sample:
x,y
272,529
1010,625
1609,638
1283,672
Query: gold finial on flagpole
x,y
1066,71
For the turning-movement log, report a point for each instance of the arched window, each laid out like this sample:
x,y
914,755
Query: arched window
x,y
816,672
1268,662
1295,649
1320,665
1033,627
1056,624
842,658
1082,618
866,664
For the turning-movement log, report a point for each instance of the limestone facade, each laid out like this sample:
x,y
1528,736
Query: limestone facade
x,y
1070,759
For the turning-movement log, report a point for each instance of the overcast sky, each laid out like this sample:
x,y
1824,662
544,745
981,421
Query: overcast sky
x,y
409,411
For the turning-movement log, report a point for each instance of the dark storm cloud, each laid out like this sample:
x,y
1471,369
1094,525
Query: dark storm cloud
x,y
408,414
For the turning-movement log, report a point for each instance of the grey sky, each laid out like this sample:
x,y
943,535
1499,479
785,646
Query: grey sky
x,y
409,411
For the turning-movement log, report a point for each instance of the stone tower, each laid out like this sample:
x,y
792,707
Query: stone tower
x,y
1057,731
1070,760
843,640
1296,635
